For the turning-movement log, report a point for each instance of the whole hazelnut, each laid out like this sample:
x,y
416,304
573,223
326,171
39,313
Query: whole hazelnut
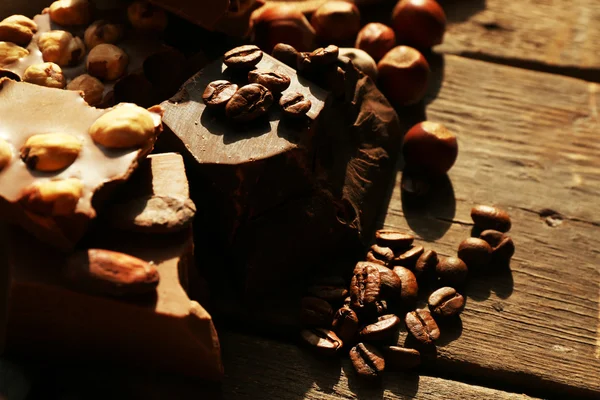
x,y
107,62
22,20
17,29
61,47
361,60
336,21
403,74
419,23
376,39
281,24
45,74
71,12
146,17
101,32
10,52
431,147
92,88
124,126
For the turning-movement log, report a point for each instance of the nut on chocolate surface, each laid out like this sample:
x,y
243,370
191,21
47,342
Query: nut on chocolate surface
x,y
52,198
5,154
126,125
61,47
92,88
71,12
107,62
50,152
46,74
17,29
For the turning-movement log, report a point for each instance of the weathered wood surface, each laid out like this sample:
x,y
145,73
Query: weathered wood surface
x,y
255,368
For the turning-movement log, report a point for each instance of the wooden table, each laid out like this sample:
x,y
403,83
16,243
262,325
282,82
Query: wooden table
x,y
515,81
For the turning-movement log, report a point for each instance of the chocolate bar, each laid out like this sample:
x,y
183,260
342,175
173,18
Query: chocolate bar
x,y
283,196
46,316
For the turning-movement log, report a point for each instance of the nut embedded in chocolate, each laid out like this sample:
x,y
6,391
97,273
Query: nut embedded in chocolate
x,y
294,104
106,272
61,47
17,30
70,12
50,152
218,93
107,62
5,154
125,126
92,88
52,198
10,52
249,102
246,56
45,74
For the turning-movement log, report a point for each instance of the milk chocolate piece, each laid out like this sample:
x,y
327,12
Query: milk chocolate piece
x,y
28,109
284,194
45,319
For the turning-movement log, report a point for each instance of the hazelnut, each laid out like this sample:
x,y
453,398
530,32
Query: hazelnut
x,y
5,154
52,198
126,125
10,52
403,74
281,24
45,74
419,23
92,88
376,39
71,12
107,61
17,29
144,16
429,146
60,47
50,152
336,21
102,32
361,60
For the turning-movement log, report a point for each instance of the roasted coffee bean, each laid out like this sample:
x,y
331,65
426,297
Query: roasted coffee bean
x,y
370,257
286,54
383,329
327,292
304,64
410,287
426,263
384,254
409,258
367,360
401,357
476,253
218,93
315,311
345,324
422,326
393,239
452,270
334,80
391,285
322,340
446,302
365,287
294,104
381,307
348,301
325,56
488,217
276,82
502,245
246,56
249,102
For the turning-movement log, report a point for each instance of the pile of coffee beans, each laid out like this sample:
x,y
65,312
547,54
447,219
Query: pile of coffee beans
x,y
249,102
384,291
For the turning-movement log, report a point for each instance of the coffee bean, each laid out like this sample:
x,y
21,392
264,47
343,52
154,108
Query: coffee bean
x,y
370,257
276,82
367,360
488,217
345,324
401,357
315,311
409,258
426,263
294,104
381,308
422,326
393,239
243,57
391,285
503,247
383,329
325,56
249,102
446,302
286,54
304,64
218,93
452,270
476,253
348,301
365,287
333,78
384,254
410,287
322,340
330,293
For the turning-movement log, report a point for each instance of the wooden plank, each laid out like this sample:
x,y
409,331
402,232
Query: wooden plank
x,y
553,35
527,143
256,368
